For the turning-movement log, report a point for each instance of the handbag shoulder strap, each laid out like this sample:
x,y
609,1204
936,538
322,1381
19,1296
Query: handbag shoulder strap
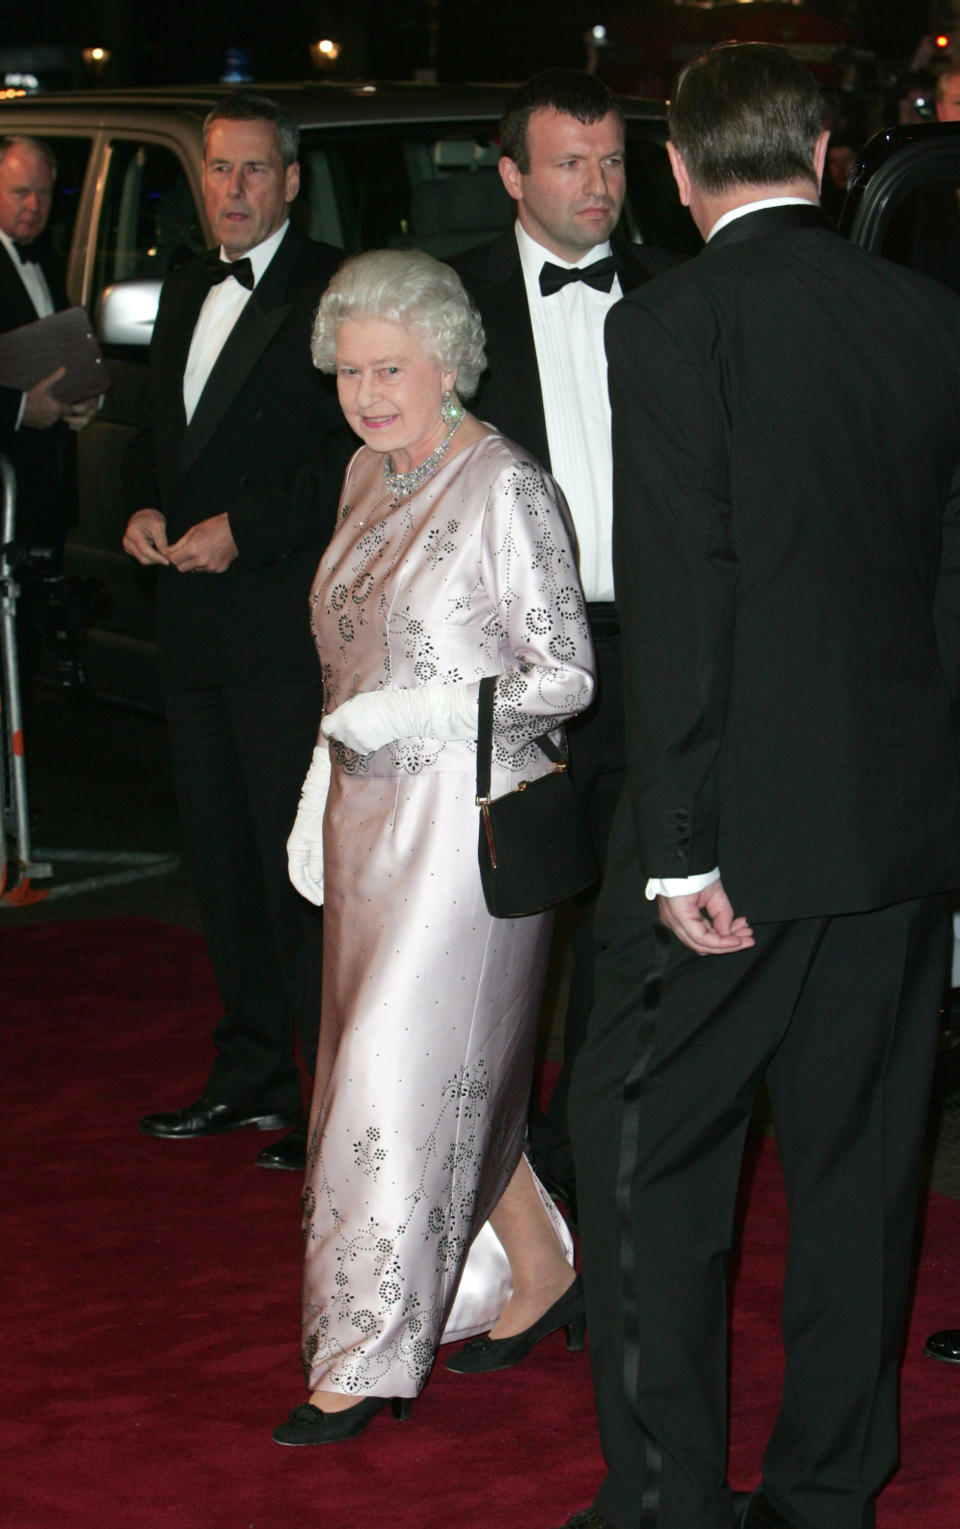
x,y
485,739
485,736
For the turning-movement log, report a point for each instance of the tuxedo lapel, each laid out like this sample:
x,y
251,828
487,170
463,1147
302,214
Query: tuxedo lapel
x,y
511,388
256,327
170,364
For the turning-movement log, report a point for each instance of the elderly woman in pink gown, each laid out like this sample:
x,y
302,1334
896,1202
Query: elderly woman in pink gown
x,y
451,560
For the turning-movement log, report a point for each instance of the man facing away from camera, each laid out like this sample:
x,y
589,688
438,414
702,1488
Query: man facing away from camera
x,y
786,439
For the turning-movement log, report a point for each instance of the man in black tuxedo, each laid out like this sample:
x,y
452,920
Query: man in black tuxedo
x,y
36,429
786,438
544,290
235,477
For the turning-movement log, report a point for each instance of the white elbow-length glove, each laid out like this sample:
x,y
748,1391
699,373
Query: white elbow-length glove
x,y
375,717
305,844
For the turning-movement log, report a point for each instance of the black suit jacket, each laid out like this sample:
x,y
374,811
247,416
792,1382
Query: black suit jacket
x,y
787,506
509,395
268,446
45,461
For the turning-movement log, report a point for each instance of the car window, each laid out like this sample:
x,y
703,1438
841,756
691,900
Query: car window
x,y
72,155
653,211
436,187
149,222
923,230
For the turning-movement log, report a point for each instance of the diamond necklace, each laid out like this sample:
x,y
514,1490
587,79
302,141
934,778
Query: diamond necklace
x,y
402,485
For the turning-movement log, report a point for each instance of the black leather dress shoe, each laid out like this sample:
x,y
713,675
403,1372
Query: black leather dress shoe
x,y
289,1152
590,1518
205,1117
481,1355
944,1345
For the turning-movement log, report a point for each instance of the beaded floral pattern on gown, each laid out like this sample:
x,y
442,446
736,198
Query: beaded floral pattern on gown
x,y
429,1004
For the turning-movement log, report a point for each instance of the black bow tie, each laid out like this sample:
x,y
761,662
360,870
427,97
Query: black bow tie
x,y
217,270
25,251
599,275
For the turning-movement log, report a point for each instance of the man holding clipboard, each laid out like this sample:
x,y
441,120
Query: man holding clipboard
x,y
36,428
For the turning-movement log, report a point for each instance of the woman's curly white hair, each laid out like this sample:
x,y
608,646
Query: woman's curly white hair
x,y
410,288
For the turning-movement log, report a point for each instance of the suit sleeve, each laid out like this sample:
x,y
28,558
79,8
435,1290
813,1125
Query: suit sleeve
x,y
675,574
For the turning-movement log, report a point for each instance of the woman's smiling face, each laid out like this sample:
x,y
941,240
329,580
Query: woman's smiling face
x,y
390,390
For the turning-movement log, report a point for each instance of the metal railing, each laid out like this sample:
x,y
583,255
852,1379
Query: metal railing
x,y
26,864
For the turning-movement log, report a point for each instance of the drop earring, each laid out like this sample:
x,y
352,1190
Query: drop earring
x,y
451,409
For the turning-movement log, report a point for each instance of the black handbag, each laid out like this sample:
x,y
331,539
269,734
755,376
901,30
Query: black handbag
x,y
535,847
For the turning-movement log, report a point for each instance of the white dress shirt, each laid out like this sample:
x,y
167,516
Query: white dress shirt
x,y
568,337
31,276
222,306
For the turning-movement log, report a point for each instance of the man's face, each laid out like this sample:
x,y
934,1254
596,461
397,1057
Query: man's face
x,y
570,198
26,191
246,189
948,105
840,163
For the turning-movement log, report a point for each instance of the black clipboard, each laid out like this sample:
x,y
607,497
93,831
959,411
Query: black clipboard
x,y
33,351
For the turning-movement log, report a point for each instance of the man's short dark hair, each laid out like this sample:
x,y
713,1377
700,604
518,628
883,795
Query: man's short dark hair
x,y
246,106
569,91
35,146
746,114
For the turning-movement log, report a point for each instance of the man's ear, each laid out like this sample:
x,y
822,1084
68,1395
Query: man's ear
x,y
680,173
820,155
511,178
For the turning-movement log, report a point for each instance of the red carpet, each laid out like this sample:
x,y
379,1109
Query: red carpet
x,y
150,1302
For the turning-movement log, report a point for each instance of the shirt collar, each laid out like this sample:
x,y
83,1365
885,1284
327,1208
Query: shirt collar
x,y
13,250
262,254
533,255
770,201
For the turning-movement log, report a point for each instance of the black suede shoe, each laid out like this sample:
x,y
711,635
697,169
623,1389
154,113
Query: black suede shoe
x,y
289,1152
206,1117
481,1355
590,1518
944,1345
308,1425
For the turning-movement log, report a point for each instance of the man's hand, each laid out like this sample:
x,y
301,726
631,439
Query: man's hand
x,y
41,409
78,415
208,547
146,537
704,921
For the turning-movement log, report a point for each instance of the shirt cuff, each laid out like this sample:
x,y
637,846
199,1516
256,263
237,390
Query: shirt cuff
x,y
680,886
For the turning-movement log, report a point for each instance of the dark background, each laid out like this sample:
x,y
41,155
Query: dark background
x,y
171,41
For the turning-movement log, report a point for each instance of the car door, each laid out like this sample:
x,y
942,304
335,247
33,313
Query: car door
x,y
904,199
146,219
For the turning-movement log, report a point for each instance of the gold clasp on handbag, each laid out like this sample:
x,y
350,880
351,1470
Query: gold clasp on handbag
x,y
483,802
558,769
